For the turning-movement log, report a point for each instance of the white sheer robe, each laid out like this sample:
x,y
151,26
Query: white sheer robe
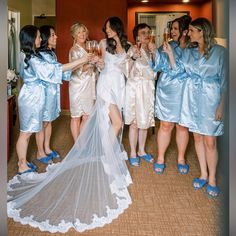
x,y
87,189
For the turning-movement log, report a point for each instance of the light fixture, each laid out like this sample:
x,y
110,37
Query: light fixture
x,y
184,1
144,1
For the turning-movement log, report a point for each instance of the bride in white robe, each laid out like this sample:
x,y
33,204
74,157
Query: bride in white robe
x,y
88,188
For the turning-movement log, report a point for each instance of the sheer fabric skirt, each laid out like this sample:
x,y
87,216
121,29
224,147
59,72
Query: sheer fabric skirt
x,y
86,190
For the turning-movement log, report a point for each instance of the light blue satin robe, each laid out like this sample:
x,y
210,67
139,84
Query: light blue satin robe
x,y
31,99
52,106
169,88
203,89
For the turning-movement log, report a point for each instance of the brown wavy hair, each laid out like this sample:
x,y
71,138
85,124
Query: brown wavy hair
x,y
118,27
204,25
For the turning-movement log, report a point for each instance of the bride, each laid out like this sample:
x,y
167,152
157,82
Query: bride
x,y
88,188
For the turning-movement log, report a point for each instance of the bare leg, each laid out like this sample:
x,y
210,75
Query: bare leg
x,y
21,150
182,137
115,117
142,136
211,158
133,139
200,150
47,137
163,139
75,127
40,143
84,119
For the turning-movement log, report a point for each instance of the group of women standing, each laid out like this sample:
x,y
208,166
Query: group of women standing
x,y
89,187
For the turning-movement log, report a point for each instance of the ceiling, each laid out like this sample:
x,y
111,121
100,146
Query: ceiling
x,y
164,1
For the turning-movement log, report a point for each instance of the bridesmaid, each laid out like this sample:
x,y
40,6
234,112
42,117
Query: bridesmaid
x,y
169,91
83,80
139,101
203,97
52,92
31,100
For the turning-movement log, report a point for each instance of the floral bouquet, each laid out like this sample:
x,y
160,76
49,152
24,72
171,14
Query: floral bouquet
x,y
11,82
11,76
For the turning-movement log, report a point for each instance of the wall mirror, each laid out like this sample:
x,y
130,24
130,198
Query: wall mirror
x,y
158,21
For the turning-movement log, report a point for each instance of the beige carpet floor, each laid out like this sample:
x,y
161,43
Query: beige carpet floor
x,y
163,205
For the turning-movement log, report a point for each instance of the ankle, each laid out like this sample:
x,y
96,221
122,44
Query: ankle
x,y
22,165
41,154
181,160
160,160
203,176
212,181
141,153
47,151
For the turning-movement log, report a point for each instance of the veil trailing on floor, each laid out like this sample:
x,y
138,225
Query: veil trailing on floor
x,y
87,189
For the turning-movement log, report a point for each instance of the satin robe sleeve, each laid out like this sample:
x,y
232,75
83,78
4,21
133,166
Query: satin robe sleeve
x,y
45,71
127,64
51,57
162,62
222,71
75,54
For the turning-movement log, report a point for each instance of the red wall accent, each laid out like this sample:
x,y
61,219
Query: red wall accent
x,y
196,10
93,14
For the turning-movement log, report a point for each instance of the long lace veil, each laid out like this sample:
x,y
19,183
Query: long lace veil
x,y
86,190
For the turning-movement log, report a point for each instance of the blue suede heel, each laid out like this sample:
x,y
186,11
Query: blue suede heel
x,y
45,160
26,171
147,157
200,182
134,161
159,166
183,168
54,154
32,166
212,191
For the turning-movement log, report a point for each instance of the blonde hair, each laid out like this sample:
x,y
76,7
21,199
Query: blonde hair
x,y
75,28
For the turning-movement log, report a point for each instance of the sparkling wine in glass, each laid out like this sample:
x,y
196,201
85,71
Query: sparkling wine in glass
x,y
152,36
138,42
99,51
166,34
94,46
89,47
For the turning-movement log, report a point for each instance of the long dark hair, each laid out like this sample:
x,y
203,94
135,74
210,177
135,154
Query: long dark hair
x,y
45,34
204,25
183,22
27,37
118,27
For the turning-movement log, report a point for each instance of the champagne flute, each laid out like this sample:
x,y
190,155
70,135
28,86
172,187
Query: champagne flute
x,y
138,42
98,50
89,47
166,34
94,46
152,36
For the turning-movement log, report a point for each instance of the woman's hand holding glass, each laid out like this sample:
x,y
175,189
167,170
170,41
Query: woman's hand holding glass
x,y
136,52
100,63
152,49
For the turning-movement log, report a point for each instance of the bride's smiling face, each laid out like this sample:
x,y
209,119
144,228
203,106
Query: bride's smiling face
x,y
109,31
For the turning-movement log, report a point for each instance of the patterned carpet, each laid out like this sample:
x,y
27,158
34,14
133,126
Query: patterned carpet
x,y
163,205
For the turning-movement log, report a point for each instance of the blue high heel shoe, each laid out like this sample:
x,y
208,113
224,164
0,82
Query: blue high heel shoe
x,y
134,161
147,157
161,168
183,168
54,154
45,160
212,191
201,183
32,165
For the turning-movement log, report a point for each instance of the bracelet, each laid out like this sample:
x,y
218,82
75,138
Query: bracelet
x,y
133,58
